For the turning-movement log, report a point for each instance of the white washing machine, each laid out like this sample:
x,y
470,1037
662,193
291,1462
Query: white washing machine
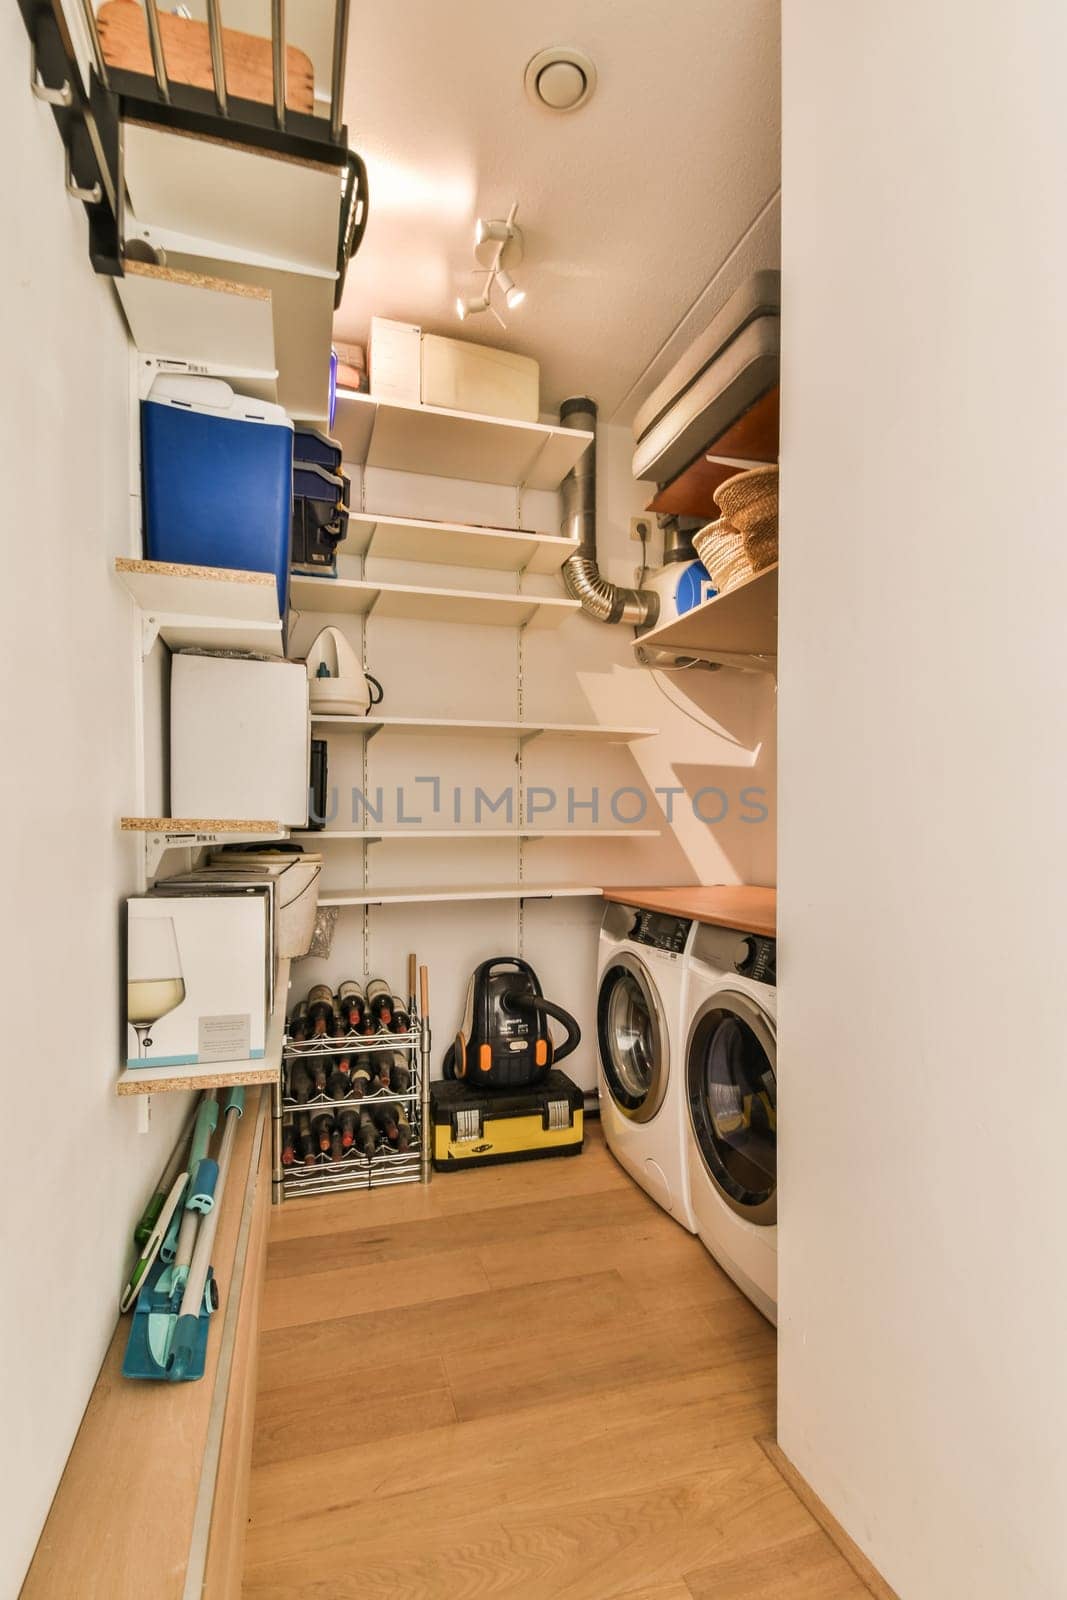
x,y
731,1095
640,1041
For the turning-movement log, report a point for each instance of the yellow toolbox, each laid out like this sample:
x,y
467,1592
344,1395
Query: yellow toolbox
x,y
475,1128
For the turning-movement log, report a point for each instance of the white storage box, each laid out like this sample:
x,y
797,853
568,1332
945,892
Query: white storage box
x,y
394,360
240,740
474,377
196,979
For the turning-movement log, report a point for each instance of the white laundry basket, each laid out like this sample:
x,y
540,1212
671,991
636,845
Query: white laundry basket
x,y
296,898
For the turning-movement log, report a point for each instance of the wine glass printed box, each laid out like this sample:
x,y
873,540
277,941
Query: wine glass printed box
x,y
196,988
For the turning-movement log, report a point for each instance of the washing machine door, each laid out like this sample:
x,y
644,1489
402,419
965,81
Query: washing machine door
x,y
732,1090
632,1037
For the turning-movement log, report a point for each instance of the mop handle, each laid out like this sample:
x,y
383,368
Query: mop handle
x,y
155,1202
205,1238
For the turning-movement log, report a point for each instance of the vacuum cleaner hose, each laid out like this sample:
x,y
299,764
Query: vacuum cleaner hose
x,y
537,1002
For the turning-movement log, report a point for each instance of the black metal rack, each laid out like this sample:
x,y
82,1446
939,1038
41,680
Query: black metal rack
x,y
90,119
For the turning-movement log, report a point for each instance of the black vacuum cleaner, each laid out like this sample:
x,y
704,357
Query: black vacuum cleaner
x,y
504,1040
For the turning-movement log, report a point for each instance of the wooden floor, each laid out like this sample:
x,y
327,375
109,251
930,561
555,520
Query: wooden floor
x,y
525,1382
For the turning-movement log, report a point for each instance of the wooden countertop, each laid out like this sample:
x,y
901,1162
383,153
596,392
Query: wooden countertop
x,y
725,905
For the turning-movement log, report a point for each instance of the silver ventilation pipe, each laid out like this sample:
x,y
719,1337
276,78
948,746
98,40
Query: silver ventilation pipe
x,y
607,602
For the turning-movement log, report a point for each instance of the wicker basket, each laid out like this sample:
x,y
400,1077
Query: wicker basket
x,y
717,545
730,557
749,501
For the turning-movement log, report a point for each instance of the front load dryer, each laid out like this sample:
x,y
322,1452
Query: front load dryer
x,y
731,1096
640,1038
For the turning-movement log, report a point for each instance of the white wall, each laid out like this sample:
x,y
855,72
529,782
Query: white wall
x,y
75,1169
923,850
716,729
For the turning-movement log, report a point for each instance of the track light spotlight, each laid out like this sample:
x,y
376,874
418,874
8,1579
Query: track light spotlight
x,y
471,308
497,229
513,295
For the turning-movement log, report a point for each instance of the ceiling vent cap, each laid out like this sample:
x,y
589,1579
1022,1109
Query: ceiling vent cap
x,y
560,79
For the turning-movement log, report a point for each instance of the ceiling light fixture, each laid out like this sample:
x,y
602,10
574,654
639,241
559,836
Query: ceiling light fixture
x,y
471,308
498,246
513,295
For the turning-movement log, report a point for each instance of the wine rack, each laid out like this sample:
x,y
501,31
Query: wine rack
x,y
356,1170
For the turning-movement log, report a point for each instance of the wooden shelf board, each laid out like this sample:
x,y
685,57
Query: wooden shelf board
x,y
374,834
489,891
191,316
743,622
205,607
356,596
744,906
218,1074
591,732
184,825
753,437
456,544
405,437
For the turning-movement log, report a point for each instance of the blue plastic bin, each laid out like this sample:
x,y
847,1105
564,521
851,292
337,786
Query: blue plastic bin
x,y
217,472
317,448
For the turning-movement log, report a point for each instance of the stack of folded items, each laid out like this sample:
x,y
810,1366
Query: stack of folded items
x,y
745,539
320,502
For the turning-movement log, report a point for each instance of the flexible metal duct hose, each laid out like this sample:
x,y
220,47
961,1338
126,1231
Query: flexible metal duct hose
x,y
607,602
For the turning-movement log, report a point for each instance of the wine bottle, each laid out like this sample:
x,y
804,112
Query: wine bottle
x,y
380,1002
338,1083
403,1129
318,1075
299,1082
352,1003
394,1071
347,1123
361,1077
305,1144
385,1117
368,1133
288,1144
299,1026
322,1128
320,1012
401,1022
337,1149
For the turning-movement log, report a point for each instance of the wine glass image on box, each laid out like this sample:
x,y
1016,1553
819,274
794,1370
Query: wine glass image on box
x,y
154,983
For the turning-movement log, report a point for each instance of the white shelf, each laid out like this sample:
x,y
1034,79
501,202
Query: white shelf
x,y
206,321
251,218
489,891
372,835
204,607
196,833
456,544
737,628
405,437
250,203
218,1074
356,596
587,732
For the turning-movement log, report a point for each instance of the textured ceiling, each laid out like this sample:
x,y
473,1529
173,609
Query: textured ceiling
x,y
631,206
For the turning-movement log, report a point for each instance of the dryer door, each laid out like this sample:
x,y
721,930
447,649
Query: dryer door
x,y
632,1038
732,1092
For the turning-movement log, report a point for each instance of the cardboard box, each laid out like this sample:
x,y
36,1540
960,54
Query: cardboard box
x,y
395,360
196,984
240,740
462,376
